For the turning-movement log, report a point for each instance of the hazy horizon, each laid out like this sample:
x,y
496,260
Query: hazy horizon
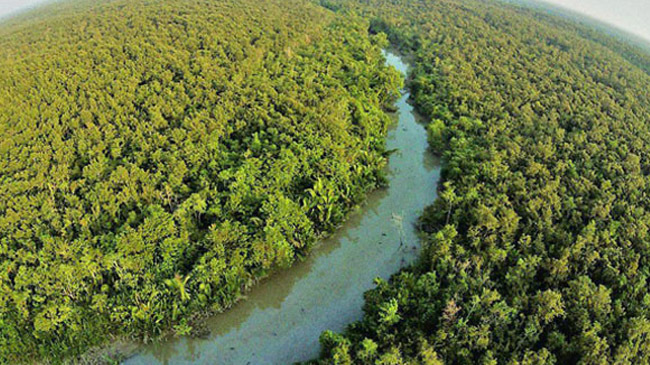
x,y
8,7
628,15
631,16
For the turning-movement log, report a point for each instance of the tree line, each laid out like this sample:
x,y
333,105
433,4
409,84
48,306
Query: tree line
x,y
156,158
537,249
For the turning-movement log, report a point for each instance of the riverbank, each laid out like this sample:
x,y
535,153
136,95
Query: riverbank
x,y
282,317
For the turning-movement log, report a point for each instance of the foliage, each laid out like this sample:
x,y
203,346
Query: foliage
x,y
157,157
537,250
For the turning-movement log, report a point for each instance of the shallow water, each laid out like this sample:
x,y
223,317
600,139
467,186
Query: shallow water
x,y
282,317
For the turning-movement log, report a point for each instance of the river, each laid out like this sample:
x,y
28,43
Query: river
x,y
282,317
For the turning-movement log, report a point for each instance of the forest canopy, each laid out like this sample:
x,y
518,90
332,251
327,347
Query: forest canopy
x,y
537,250
158,157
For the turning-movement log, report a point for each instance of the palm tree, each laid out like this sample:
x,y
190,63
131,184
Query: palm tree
x,y
179,283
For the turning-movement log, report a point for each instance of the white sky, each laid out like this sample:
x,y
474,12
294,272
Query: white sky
x,y
9,6
630,15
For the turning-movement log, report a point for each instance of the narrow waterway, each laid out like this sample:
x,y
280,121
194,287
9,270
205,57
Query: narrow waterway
x,y
282,317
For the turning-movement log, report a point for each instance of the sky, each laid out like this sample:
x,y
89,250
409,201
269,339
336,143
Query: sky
x,y
10,6
630,15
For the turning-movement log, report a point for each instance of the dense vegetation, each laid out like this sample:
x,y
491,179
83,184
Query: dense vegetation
x,y
538,250
158,156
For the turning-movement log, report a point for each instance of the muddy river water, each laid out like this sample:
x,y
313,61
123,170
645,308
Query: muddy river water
x,y
282,317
